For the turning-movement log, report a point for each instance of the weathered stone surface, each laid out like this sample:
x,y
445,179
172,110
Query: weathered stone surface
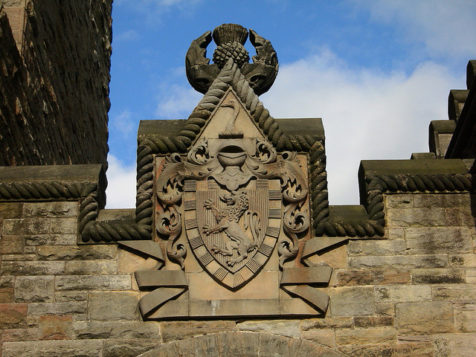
x,y
372,277
31,268
373,321
442,200
26,226
127,348
10,244
402,293
57,308
400,261
10,210
56,327
34,289
91,267
91,348
64,225
438,240
110,306
279,327
51,209
376,247
416,217
465,317
328,322
457,293
6,295
116,329
92,282
455,345
463,260
88,252
395,350
437,276
65,296
365,335
180,330
51,239
13,315
399,201
325,337
358,301
424,317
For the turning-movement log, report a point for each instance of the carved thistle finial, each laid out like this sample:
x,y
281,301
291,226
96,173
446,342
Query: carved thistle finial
x,y
230,39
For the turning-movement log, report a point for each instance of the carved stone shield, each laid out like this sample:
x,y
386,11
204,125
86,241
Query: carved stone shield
x,y
232,234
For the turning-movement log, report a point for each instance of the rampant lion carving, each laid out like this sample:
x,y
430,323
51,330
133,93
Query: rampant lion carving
x,y
228,222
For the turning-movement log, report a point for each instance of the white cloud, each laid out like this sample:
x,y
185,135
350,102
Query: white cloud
x,y
123,123
445,27
176,102
366,114
121,188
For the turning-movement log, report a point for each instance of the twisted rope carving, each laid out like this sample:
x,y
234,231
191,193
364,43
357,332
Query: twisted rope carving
x,y
115,231
45,190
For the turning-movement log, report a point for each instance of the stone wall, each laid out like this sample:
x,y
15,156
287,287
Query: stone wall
x,y
54,81
412,292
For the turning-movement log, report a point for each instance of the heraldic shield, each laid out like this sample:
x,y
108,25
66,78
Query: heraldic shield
x,y
232,234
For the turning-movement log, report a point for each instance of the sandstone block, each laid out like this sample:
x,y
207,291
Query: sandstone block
x,y
65,296
402,293
355,301
23,226
425,317
438,240
21,334
88,252
371,335
465,317
442,200
64,225
457,345
127,348
91,348
10,210
51,209
325,337
6,295
437,276
373,321
416,217
460,216
399,201
116,329
34,289
179,330
91,282
91,267
57,308
456,293
56,327
278,327
463,260
110,306
11,244
376,247
372,277
424,349
51,239
31,268
328,322
13,315
403,262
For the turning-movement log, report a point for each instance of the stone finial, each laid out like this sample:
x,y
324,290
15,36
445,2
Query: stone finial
x,y
230,39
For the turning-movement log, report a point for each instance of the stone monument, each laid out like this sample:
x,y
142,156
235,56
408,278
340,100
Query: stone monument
x,y
232,248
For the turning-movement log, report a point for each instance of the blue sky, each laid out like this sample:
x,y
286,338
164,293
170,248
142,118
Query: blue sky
x,y
376,72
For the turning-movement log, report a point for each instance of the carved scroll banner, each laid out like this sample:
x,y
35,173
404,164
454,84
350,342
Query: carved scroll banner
x,y
231,203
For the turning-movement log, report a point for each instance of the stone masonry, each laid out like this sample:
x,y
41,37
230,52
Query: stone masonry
x,y
412,292
50,106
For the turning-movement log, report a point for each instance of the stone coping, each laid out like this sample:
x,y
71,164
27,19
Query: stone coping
x,y
72,173
410,167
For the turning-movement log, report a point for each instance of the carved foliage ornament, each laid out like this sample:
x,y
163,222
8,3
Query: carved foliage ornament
x,y
230,39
